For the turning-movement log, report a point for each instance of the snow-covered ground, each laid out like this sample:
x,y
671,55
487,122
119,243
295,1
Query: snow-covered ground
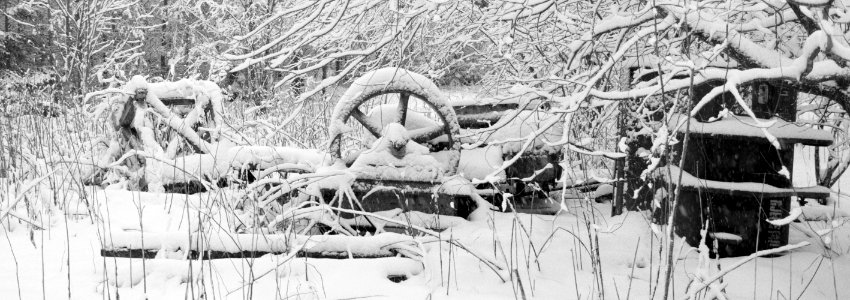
x,y
543,257
581,253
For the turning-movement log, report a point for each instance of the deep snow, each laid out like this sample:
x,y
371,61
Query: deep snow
x,y
36,264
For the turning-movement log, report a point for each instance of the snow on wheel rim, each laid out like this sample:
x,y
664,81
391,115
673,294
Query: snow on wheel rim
x,y
392,80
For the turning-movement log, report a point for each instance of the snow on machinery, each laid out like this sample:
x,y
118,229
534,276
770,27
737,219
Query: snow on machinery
x,y
416,168
183,147
154,123
734,175
469,138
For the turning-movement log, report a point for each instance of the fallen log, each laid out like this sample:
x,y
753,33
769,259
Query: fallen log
x,y
213,245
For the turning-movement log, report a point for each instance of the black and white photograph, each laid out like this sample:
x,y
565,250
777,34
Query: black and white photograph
x,y
425,149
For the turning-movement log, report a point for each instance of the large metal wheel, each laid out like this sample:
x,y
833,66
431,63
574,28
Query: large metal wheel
x,y
406,84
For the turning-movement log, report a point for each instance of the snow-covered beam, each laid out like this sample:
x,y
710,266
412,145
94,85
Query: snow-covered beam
x,y
224,245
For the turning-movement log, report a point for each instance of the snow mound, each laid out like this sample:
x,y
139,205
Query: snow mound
x,y
387,160
264,157
212,166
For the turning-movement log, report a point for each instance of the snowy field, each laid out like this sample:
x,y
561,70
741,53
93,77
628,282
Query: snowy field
x,y
53,243
542,257
281,118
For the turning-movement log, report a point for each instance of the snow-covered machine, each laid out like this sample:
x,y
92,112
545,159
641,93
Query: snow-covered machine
x,y
491,132
153,124
735,182
419,165
734,175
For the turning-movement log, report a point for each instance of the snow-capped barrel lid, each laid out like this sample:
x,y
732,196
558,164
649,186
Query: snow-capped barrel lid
x,y
743,189
746,128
